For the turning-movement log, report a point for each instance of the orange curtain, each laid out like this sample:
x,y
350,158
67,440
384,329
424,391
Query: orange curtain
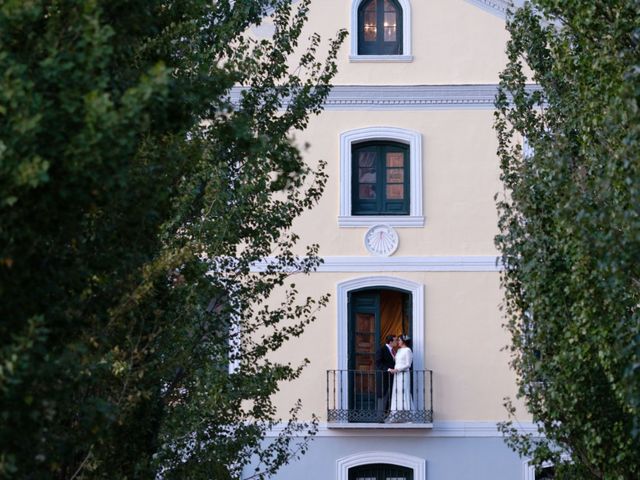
x,y
391,313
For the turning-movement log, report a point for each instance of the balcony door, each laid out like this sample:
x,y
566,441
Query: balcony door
x,y
373,314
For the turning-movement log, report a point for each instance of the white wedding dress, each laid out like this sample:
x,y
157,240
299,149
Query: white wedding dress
x,y
401,401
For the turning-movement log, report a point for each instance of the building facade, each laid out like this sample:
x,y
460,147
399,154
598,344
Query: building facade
x,y
406,229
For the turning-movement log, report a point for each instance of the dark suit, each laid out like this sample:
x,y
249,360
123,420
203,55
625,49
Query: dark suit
x,y
384,361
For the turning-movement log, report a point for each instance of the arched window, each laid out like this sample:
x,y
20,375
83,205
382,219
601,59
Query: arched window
x,y
380,471
381,177
380,28
368,465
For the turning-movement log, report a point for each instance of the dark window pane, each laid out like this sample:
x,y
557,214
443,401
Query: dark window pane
x,y
395,159
367,192
367,159
370,29
395,192
380,471
390,26
367,175
395,175
380,175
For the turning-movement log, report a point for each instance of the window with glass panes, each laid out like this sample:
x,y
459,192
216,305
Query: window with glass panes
x,y
545,473
380,176
380,471
380,28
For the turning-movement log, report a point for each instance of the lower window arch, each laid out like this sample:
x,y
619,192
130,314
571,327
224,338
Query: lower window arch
x,y
380,471
381,465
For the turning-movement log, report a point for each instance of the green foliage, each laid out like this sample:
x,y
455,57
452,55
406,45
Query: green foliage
x,y
134,199
570,231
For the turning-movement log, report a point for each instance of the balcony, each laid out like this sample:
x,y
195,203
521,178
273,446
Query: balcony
x,y
361,399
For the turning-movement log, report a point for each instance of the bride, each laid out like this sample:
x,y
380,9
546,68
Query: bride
x,y
401,401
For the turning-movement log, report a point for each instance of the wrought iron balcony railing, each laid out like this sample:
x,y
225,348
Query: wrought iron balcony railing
x,y
358,396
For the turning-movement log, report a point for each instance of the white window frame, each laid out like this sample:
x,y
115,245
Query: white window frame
x,y
530,470
410,138
417,311
417,464
406,56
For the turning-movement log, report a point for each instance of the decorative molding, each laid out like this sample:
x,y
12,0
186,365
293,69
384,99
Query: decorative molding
x,y
379,426
406,29
529,471
411,97
496,7
413,139
354,264
417,464
381,240
381,58
446,429
406,97
398,221
270,10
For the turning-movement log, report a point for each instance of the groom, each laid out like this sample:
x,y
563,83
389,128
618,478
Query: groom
x,y
385,359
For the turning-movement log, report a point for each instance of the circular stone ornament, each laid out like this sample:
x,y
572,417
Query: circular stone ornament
x,y
381,240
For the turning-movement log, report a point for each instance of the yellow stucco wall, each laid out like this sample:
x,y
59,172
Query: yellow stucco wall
x,y
463,340
453,42
460,178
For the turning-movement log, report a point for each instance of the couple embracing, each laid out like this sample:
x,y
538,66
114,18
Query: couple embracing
x,y
393,361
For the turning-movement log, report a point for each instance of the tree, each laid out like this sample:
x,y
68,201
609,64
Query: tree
x,y
135,198
570,232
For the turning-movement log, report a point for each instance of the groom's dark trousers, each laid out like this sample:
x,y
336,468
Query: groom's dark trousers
x,y
384,361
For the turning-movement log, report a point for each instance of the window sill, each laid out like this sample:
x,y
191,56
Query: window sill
x,y
401,221
381,58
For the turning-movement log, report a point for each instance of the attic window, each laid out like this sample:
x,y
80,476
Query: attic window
x,y
380,27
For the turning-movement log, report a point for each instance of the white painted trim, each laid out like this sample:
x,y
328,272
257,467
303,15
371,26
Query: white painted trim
x,y
496,7
270,10
529,471
406,29
486,263
404,97
417,296
235,344
410,264
381,58
398,221
379,426
417,464
417,334
409,137
483,263
446,429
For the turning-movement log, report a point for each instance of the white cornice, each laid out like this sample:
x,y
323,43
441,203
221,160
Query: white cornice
x,y
478,263
456,429
406,97
497,7
410,97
